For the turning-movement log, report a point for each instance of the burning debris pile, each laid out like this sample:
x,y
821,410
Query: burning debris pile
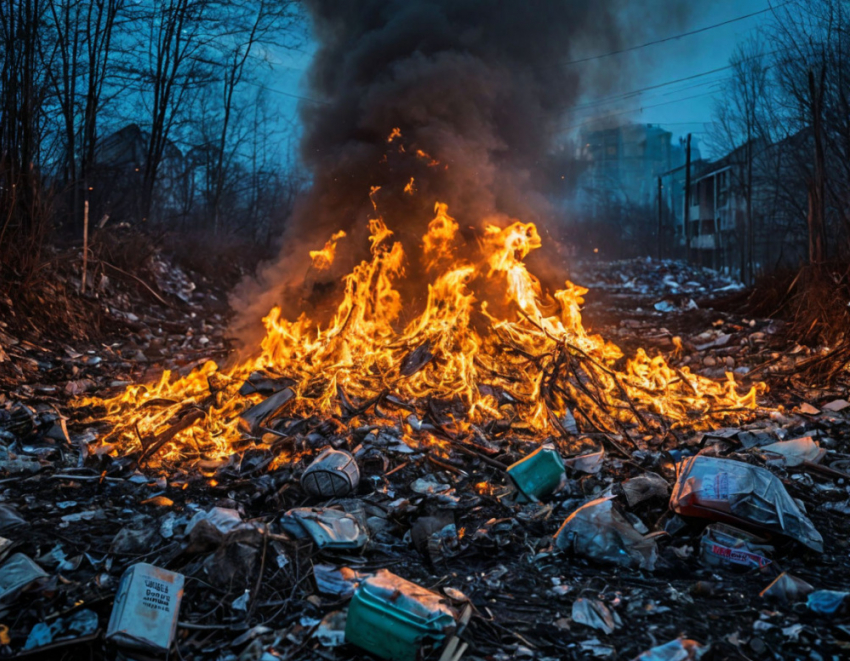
x,y
318,526
428,454
489,355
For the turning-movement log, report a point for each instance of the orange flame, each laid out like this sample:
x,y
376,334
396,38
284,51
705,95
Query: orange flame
x,y
432,162
488,339
324,258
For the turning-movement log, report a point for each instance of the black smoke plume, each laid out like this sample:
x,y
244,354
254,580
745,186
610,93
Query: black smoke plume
x,y
480,86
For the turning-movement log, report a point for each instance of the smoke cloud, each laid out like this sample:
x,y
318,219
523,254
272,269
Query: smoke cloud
x,y
478,86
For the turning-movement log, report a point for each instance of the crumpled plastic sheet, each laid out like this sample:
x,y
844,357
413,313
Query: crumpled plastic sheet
x,y
16,574
827,602
599,530
82,623
329,528
794,453
680,649
727,490
786,588
593,613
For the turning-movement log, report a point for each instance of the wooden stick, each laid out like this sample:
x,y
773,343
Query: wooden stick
x,y
85,245
164,437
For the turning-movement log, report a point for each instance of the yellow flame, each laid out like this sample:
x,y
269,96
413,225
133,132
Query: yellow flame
x,y
492,337
324,258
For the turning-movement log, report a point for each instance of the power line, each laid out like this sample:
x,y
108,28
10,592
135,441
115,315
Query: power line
x,y
671,38
602,101
630,110
623,95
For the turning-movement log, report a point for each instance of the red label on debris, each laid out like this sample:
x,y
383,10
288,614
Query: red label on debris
x,y
738,557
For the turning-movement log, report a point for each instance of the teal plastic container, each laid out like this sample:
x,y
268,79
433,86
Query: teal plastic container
x,y
537,475
392,618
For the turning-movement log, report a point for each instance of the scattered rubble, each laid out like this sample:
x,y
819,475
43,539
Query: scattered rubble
x,y
335,539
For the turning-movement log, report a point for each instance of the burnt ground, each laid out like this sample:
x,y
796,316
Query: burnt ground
x,y
85,517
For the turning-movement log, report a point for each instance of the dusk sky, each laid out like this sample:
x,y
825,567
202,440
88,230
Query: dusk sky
x,y
681,107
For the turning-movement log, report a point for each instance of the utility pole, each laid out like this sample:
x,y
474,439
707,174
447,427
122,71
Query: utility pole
x,y
659,217
688,197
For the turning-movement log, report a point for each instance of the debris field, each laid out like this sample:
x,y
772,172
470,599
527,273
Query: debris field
x,y
388,528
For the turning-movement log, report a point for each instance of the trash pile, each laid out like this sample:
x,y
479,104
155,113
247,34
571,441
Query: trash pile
x,y
345,540
656,277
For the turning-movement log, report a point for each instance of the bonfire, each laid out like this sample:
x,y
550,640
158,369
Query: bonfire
x,y
489,353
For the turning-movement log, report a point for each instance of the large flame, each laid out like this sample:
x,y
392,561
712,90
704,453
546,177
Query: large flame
x,y
488,342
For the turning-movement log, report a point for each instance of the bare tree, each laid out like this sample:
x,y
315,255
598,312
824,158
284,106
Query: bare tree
x,y
22,117
175,34
255,25
742,127
811,71
76,54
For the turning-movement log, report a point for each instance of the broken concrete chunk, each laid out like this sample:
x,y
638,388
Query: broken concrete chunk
x,y
836,405
146,607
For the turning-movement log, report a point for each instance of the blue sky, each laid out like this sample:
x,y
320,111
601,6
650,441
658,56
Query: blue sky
x,y
686,106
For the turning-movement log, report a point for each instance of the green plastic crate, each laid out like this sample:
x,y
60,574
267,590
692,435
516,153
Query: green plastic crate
x,y
539,474
392,618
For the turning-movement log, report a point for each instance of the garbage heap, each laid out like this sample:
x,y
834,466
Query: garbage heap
x,y
734,541
338,540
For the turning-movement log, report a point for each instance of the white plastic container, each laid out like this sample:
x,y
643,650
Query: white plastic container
x,y
146,607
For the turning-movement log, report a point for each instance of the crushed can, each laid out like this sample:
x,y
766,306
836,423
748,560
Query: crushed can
x,y
334,473
393,618
538,475
722,546
146,607
742,495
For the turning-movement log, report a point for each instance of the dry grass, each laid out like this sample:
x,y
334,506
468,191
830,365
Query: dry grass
x,y
814,303
813,300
